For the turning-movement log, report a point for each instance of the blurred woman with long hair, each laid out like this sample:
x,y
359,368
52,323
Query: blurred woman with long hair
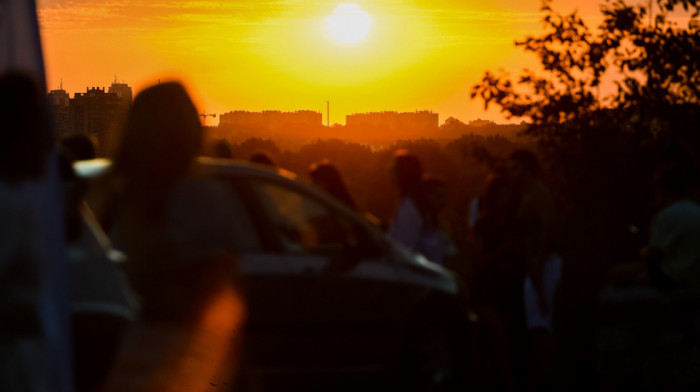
x,y
327,177
25,360
176,227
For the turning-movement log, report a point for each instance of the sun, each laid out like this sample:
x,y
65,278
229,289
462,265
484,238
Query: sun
x,y
349,23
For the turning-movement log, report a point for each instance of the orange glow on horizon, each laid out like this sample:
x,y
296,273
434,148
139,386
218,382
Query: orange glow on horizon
x,y
418,55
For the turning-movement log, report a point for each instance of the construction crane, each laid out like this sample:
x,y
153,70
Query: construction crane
x,y
204,117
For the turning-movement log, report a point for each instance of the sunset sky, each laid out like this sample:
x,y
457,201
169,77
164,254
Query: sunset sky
x,y
278,55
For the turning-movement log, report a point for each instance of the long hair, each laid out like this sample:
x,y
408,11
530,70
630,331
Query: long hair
x,y
161,137
326,176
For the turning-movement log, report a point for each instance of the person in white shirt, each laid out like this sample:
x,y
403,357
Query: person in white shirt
x,y
673,254
415,224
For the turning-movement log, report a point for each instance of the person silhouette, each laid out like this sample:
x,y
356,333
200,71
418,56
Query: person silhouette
x,y
415,223
325,176
78,146
262,159
222,149
436,192
176,227
536,215
673,253
24,352
102,305
497,288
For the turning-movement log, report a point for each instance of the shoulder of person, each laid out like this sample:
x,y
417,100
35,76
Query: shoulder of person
x,y
676,218
681,210
409,207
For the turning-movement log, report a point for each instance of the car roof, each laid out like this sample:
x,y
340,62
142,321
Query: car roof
x,y
95,167
236,167
91,168
217,167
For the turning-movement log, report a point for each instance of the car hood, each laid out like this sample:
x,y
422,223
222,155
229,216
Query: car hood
x,y
415,268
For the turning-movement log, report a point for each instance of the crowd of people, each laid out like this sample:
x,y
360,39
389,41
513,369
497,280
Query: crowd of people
x,y
174,225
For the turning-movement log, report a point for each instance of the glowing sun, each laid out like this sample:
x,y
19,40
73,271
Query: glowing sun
x,y
349,23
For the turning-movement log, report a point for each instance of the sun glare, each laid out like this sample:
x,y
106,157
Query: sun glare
x,y
349,23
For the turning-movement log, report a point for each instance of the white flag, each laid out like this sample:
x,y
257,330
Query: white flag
x,y
20,45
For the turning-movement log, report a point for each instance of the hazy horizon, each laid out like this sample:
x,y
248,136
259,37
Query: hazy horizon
x,y
272,55
442,118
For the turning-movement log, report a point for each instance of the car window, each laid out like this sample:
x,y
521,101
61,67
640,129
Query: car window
x,y
304,224
245,234
214,212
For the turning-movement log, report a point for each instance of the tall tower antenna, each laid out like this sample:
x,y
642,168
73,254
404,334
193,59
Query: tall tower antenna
x,y
60,87
328,113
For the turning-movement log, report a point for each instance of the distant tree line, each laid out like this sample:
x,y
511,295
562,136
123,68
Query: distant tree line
x,y
464,163
376,135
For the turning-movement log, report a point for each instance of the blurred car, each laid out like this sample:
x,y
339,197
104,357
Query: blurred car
x,y
331,299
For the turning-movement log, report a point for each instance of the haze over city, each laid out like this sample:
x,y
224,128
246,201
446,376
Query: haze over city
x,y
265,55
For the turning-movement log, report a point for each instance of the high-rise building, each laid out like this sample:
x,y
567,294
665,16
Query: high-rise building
x,y
395,124
60,110
97,114
122,90
272,123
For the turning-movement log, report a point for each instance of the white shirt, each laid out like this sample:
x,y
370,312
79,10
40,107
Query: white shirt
x,y
407,229
676,232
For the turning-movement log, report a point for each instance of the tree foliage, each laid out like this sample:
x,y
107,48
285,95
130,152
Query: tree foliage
x,y
604,105
653,64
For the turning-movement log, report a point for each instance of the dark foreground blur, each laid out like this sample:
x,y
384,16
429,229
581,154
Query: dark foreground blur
x,y
212,274
568,260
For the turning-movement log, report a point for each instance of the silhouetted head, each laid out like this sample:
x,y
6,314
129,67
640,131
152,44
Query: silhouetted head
x,y
78,147
162,135
326,176
26,139
407,172
262,159
222,149
523,167
407,175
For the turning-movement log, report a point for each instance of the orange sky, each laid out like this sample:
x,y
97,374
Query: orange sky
x,y
277,55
